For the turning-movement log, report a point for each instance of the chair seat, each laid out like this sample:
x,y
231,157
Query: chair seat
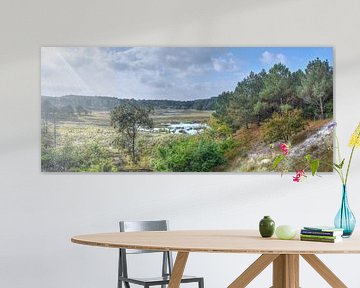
x,y
158,280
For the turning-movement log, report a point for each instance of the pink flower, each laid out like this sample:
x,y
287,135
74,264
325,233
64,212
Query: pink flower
x,y
284,148
299,175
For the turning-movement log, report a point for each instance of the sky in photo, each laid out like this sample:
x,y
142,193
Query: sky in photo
x,y
162,72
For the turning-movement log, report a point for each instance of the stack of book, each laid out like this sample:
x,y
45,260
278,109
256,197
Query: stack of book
x,y
321,234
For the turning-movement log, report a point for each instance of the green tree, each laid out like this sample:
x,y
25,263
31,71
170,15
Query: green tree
x,y
295,100
237,108
282,126
222,108
127,119
277,87
260,109
244,98
317,86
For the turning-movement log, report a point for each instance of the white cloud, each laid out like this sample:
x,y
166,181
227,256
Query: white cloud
x,y
224,64
140,72
272,58
79,71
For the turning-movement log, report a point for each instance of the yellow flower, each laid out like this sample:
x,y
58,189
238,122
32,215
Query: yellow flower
x,y
355,138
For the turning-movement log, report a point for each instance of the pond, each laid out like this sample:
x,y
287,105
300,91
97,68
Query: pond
x,y
179,128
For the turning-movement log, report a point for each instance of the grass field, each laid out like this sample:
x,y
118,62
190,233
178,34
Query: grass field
x,y
96,127
161,117
90,141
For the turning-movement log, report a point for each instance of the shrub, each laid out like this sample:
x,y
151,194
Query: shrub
x,y
190,154
218,129
72,158
282,126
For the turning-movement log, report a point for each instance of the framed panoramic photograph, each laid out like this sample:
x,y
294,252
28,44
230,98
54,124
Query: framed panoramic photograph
x,y
198,109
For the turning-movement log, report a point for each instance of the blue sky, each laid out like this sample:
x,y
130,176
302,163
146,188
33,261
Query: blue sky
x,y
162,72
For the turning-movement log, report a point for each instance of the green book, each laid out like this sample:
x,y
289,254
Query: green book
x,y
325,240
319,236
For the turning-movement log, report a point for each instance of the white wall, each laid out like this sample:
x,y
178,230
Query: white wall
x,y
40,212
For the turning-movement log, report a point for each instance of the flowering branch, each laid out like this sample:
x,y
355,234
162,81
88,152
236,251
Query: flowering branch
x,y
354,142
313,164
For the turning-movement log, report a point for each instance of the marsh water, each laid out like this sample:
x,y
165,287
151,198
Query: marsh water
x,y
179,128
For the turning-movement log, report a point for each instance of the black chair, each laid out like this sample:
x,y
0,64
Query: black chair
x,y
167,265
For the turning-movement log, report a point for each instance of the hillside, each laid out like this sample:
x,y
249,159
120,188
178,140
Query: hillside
x,y
316,140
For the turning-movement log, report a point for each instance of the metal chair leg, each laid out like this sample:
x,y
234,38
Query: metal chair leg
x,y
164,266
120,270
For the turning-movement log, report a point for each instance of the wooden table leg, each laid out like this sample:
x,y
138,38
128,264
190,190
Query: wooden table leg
x,y
286,271
293,262
178,269
324,271
253,270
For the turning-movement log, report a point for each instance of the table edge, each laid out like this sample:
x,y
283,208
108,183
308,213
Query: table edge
x,y
203,250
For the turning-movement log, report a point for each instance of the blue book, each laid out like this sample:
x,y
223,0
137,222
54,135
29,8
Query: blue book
x,y
322,231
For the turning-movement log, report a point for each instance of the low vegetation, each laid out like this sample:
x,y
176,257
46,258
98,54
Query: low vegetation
x,y
282,126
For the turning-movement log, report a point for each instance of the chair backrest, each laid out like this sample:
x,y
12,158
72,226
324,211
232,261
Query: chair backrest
x,y
138,226
133,226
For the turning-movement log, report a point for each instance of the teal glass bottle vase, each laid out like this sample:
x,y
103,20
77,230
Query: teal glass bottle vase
x,y
345,219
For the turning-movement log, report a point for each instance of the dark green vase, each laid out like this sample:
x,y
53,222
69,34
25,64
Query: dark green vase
x,y
267,227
